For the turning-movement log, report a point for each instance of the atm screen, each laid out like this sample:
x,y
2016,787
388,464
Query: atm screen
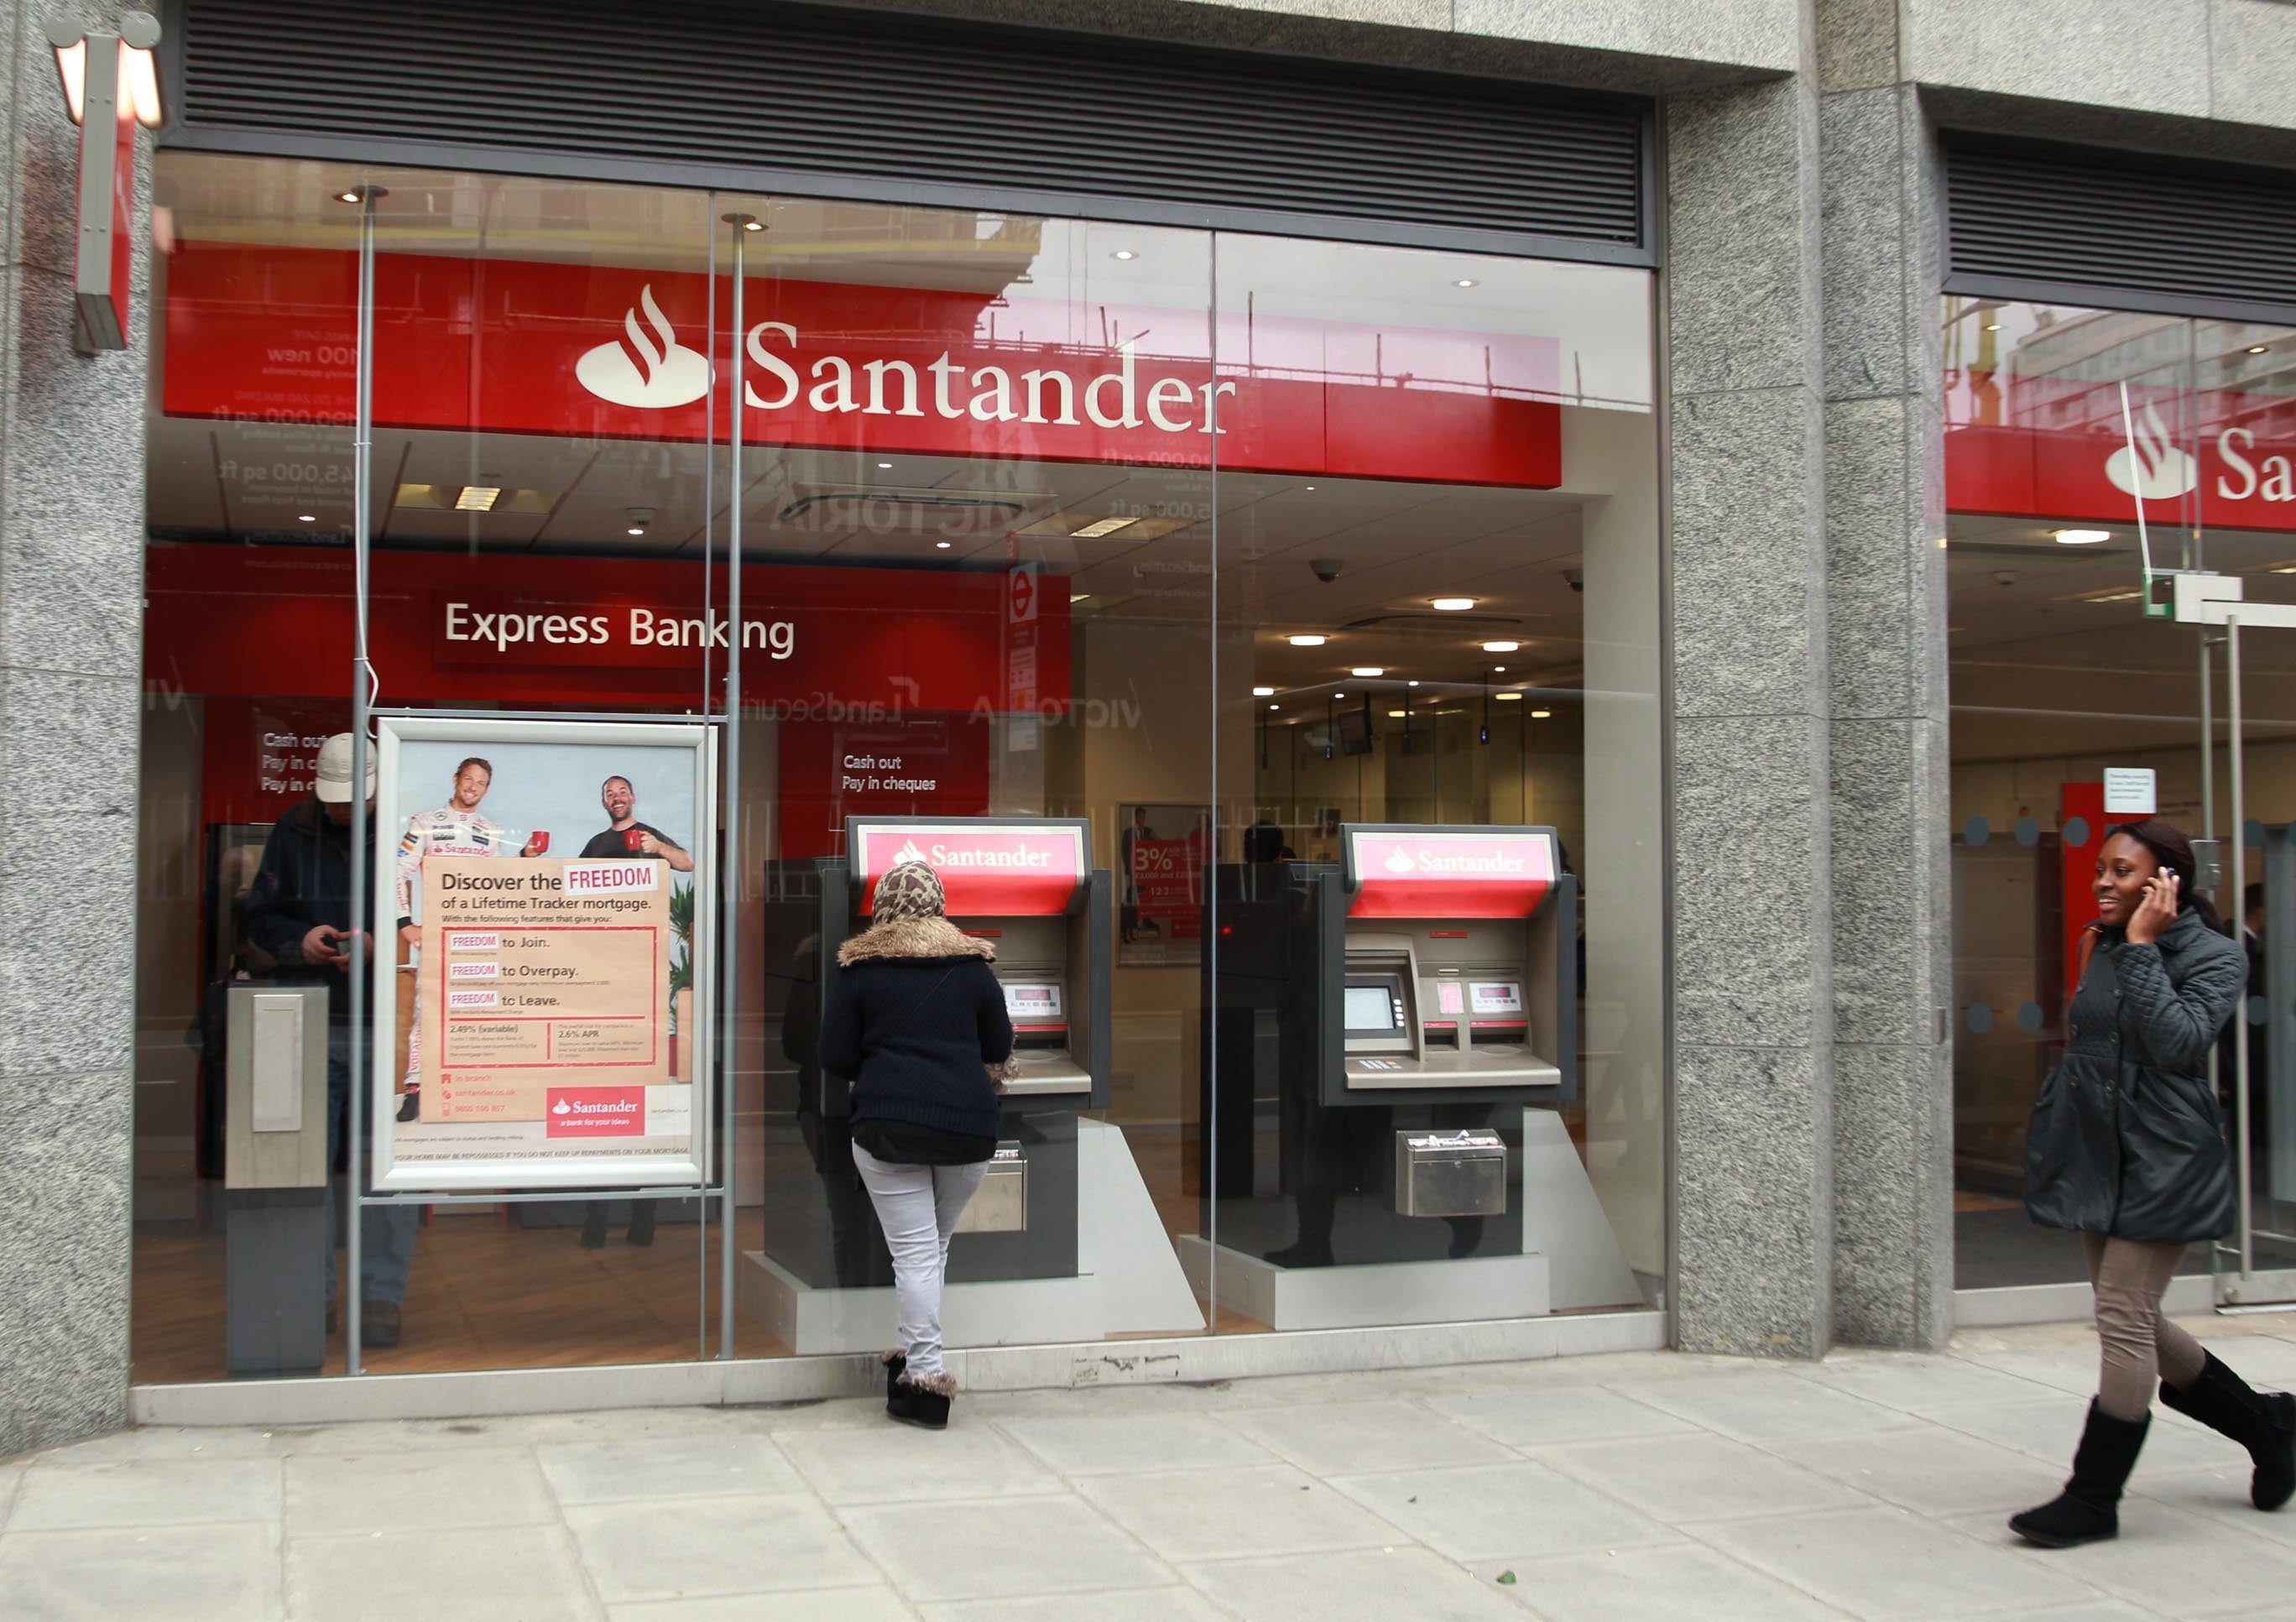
x,y
1032,1002
1370,1008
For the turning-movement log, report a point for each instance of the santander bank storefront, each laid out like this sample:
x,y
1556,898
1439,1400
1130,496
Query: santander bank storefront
x,y
1259,633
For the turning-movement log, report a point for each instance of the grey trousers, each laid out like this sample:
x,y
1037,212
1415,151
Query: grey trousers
x,y
2137,1345
918,1205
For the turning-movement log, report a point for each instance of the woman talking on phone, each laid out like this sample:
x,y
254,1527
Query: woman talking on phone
x,y
2127,1149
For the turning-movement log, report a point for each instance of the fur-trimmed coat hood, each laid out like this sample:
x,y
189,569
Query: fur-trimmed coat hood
x,y
913,940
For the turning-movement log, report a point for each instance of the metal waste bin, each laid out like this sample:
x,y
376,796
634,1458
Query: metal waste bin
x,y
1001,1204
1450,1173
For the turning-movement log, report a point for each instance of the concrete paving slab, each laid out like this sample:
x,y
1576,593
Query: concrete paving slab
x,y
1486,1510
1227,1514
1121,1445
1699,1477
970,1552
671,1467
169,1492
1683,1583
1341,1438
185,1574
690,1548
413,1492
488,1574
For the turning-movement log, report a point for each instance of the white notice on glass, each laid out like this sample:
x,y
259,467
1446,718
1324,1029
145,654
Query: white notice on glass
x,y
2128,791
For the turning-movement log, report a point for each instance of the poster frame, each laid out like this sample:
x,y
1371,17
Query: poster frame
x,y
1165,953
619,1173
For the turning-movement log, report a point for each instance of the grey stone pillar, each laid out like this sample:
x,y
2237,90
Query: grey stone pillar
x,y
1754,1133
1886,600
71,574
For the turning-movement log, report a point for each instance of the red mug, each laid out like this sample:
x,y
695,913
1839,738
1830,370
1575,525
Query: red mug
x,y
635,838
540,842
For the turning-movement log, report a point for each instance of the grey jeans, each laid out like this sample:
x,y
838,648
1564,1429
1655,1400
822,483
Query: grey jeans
x,y
2139,1346
918,1205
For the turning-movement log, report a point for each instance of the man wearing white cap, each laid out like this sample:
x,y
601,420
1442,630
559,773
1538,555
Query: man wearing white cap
x,y
300,911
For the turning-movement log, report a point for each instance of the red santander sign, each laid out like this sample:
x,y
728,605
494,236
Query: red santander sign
x,y
986,870
1439,874
268,333
2056,447
596,1112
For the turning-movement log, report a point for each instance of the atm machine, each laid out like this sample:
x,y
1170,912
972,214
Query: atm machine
x,y
1428,999
1027,885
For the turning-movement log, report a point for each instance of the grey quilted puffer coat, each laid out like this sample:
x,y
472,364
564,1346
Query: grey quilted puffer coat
x,y
2127,1139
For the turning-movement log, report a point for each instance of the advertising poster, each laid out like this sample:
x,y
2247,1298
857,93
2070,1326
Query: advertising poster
x,y
1162,854
544,887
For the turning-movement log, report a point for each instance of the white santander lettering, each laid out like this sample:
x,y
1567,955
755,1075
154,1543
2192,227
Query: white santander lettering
x,y
2238,462
782,372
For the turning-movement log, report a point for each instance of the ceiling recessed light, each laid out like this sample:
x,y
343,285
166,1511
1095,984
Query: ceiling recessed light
x,y
1501,647
1499,669
1263,692
636,529
1508,698
348,197
1992,326
943,545
1307,639
1274,707
2082,537
1464,281
1411,684
1398,714
1100,526
477,498
1453,605
1080,596
1339,695
1368,670
1540,714
306,518
1308,487
884,465
753,225
1124,253
2258,349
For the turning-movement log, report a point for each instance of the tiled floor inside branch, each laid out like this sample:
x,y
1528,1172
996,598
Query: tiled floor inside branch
x,y
1873,1485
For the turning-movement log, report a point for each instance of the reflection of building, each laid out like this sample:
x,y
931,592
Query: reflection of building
x,y
1438,557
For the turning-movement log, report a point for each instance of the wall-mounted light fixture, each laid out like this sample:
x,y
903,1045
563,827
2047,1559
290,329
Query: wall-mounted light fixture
x,y
110,83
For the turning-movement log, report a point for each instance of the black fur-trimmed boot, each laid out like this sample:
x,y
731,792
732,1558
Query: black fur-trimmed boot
x,y
923,1403
896,1363
2088,1509
2263,1423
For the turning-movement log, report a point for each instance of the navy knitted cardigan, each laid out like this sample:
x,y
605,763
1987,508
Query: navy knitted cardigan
x,y
914,1021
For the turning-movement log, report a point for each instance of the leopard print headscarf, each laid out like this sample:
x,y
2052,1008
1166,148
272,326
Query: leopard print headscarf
x,y
909,889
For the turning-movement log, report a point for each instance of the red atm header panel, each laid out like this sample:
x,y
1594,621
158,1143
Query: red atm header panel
x,y
1447,872
989,866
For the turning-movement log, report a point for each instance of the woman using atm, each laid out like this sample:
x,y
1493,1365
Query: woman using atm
x,y
917,1022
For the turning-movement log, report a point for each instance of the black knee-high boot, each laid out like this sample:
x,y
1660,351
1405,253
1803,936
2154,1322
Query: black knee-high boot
x,y
2088,1509
2265,1424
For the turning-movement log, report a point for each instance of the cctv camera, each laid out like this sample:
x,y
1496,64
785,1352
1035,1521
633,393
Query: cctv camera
x,y
1576,581
1327,569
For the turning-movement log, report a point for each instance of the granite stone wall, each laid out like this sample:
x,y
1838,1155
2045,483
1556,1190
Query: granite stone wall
x,y
71,573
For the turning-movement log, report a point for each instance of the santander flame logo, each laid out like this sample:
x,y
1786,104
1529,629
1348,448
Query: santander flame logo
x,y
562,1108
908,852
1399,861
2157,471
651,376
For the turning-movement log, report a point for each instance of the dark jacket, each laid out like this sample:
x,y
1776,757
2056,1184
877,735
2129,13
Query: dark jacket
x,y
2127,1139
305,879
914,1019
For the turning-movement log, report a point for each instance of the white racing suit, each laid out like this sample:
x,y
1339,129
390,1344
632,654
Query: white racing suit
x,y
444,832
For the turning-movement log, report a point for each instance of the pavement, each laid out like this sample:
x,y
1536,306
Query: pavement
x,y
1872,1485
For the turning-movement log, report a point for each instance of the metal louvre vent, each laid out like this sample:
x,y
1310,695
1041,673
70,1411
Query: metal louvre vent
x,y
717,90
2120,230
